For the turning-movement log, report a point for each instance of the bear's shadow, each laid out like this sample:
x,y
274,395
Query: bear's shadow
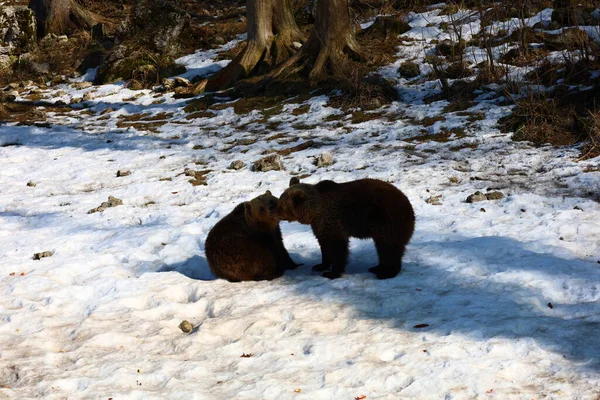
x,y
195,267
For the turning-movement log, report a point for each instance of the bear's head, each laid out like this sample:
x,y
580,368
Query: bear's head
x,y
299,202
261,212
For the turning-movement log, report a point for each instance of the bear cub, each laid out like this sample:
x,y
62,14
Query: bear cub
x,y
246,245
365,208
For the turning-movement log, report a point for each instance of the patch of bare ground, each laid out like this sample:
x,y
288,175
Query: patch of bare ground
x,y
446,135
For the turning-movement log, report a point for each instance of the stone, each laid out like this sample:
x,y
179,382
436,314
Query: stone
x,y
409,69
237,165
324,160
31,184
168,83
162,24
44,254
268,163
387,26
87,96
17,30
82,85
112,202
9,97
219,40
434,200
449,48
107,111
179,81
122,173
475,197
186,326
6,61
494,195
40,68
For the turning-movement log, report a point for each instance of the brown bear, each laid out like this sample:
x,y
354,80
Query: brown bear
x,y
246,245
365,208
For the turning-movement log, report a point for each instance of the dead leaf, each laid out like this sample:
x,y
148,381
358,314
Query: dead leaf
x,y
421,326
419,289
361,397
12,274
297,390
490,391
244,355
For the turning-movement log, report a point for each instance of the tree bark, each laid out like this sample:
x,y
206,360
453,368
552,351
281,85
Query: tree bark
x,y
329,44
61,16
272,31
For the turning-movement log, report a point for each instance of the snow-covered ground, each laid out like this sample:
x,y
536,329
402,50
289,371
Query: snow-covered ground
x,y
498,299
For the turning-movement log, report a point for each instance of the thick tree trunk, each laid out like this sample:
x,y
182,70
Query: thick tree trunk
x,y
61,16
272,31
329,44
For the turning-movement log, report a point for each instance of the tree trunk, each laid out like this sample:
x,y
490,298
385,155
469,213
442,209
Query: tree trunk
x,y
329,43
61,16
272,31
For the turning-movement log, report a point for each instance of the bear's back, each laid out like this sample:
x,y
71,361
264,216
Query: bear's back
x,y
368,205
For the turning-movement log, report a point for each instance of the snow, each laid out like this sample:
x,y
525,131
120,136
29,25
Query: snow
x,y
509,289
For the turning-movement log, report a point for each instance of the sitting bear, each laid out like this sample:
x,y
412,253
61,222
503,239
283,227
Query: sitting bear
x,y
246,245
365,208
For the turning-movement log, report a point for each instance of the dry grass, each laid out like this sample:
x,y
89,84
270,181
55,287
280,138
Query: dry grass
x,y
539,119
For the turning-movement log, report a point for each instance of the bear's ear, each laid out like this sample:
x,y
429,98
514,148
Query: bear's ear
x,y
268,192
294,181
298,197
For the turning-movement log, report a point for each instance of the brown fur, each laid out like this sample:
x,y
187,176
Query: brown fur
x,y
246,245
365,208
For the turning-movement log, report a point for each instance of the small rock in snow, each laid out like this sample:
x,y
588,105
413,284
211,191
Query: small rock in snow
x,y
44,254
494,195
82,85
186,326
269,163
475,197
324,160
179,81
434,200
112,202
121,173
87,96
31,184
237,165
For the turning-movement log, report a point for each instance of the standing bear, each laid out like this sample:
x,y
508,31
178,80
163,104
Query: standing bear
x,y
365,208
246,245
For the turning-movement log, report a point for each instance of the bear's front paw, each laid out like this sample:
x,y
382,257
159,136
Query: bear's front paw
x,y
386,275
320,267
331,275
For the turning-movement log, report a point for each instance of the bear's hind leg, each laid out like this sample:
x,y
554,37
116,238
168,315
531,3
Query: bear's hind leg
x,y
390,259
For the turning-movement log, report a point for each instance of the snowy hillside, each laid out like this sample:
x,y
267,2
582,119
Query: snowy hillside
x,y
497,299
